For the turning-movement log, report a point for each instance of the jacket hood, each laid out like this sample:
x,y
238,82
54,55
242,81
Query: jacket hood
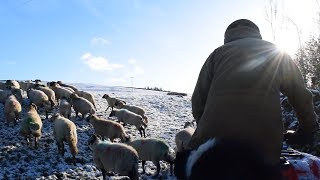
x,y
240,29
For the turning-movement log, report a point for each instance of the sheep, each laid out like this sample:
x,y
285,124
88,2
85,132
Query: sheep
x,y
223,159
65,108
3,86
155,150
4,94
12,84
183,137
25,85
134,109
108,129
126,116
81,105
60,91
31,125
111,101
87,96
49,92
12,109
65,130
67,86
116,157
40,99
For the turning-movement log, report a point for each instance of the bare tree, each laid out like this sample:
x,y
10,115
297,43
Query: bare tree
x,y
271,15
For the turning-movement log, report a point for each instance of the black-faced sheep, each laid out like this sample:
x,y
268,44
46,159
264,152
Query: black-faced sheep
x,y
81,105
40,99
111,101
4,94
108,129
12,84
65,108
59,91
65,130
155,150
116,157
88,96
223,159
128,117
12,109
134,109
49,92
67,85
183,137
31,125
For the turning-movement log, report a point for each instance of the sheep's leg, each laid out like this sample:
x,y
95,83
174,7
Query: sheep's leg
x,y
140,130
36,142
158,169
83,116
59,147
144,132
107,108
104,173
77,114
143,164
46,114
74,159
62,149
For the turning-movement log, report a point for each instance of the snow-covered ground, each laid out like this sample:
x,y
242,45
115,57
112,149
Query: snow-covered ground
x,y
18,160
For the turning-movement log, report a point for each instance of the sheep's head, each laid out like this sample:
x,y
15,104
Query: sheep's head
x,y
90,116
54,117
59,82
94,139
119,104
32,106
105,96
189,124
37,81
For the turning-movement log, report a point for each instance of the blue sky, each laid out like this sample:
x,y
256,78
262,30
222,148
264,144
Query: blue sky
x,y
126,42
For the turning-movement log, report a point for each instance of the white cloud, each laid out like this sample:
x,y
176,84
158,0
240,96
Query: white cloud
x,y
100,41
132,61
98,63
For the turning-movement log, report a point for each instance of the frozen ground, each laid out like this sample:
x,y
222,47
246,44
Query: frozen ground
x,y
18,160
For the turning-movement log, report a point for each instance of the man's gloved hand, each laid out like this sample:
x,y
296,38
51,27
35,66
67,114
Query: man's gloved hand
x,y
299,137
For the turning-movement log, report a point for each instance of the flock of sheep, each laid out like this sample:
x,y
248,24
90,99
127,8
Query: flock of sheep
x,y
119,154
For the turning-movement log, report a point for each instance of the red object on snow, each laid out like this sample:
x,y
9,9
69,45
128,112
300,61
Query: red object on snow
x,y
299,165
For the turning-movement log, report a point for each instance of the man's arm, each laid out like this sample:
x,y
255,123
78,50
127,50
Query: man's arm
x,y
293,86
200,93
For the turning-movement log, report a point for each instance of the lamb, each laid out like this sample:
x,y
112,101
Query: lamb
x,y
155,150
111,101
49,92
65,130
31,125
40,99
116,157
81,105
12,109
87,96
183,137
60,91
126,116
108,129
67,85
65,108
134,109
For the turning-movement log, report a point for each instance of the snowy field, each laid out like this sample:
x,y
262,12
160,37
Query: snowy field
x,y
19,160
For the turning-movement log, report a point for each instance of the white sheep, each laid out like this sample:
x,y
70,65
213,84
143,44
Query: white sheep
x,y
60,91
40,99
116,157
107,128
67,86
12,109
49,92
134,109
183,137
65,130
81,105
128,117
87,96
111,101
31,125
65,108
155,150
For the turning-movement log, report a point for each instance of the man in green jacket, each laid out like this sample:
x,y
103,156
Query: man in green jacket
x,y
237,95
